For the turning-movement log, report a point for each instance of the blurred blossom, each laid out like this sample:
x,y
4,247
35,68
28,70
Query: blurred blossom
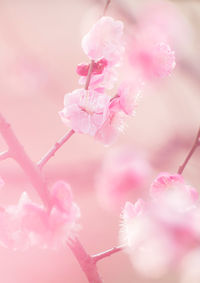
x,y
111,128
123,176
166,181
129,94
162,231
29,224
150,53
164,17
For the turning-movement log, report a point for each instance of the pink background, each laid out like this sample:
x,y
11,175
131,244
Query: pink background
x,y
40,46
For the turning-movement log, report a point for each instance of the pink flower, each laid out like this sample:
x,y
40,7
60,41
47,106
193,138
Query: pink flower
x,y
166,181
146,242
104,40
167,225
128,96
104,45
168,20
85,111
123,176
121,105
132,210
151,54
28,223
111,128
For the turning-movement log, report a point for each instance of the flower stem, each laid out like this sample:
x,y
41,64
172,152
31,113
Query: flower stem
x,y
188,157
54,149
89,75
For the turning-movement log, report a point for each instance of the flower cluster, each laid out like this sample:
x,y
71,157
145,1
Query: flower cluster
x,y
28,224
160,233
91,110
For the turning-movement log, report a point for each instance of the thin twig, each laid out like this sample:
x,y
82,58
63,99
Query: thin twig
x,y
53,150
106,7
194,147
86,262
17,152
4,155
107,253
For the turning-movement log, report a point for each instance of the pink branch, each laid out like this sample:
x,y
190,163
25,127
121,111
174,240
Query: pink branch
x,y
53,150
86,262
194,147
17,152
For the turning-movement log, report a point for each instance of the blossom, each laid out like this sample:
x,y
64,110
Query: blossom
x,y
151,54
111,128
29,224
104,45
123,104
123,175
166,181
95,113
167,224
128,96
85,111
132,210
104,40
164,17
146,243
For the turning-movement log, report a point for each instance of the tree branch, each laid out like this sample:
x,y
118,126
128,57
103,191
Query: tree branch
x,y
194,147
17,152
53,150
86,262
